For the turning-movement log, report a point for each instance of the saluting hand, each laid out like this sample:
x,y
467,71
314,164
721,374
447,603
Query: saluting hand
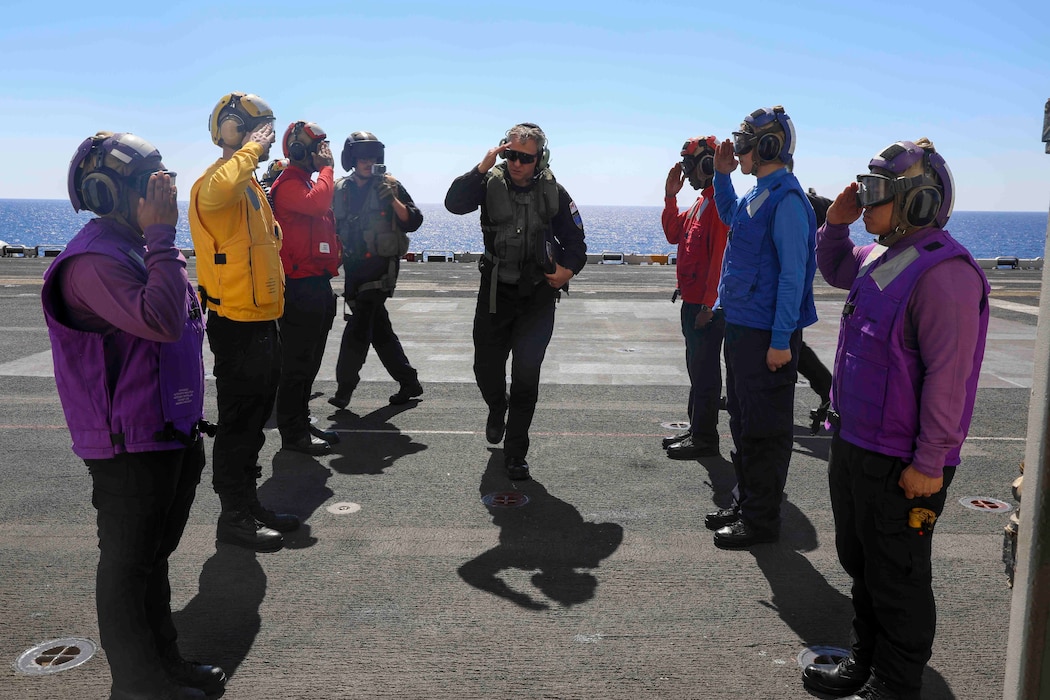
x,y
490,157
675,180
725,159
845,210
323,156
158,206
262,135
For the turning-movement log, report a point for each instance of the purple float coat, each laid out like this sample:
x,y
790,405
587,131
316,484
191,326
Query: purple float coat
x,y
910,350
126,337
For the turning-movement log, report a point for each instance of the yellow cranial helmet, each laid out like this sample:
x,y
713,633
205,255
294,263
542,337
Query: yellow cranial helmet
x,y
235,115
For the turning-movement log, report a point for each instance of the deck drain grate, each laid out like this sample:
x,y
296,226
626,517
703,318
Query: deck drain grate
x,y
985,504
675,425
821,655
55,656
505,499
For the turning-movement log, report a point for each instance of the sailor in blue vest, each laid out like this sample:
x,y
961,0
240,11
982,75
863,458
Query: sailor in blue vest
x,y
126,334
766,295
911,342
534,244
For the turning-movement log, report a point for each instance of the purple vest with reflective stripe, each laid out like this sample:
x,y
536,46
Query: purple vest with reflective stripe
x,y
119,392
880,409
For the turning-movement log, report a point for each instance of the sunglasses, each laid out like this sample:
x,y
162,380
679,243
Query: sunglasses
x,y
743,142
523,158
140,182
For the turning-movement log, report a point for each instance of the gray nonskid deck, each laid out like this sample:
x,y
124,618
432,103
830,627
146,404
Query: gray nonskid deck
x,y
605,585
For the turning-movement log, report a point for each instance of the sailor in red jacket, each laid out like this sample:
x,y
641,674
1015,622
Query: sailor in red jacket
x,y
701,239
311,254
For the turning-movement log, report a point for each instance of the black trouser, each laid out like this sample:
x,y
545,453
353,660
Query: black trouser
x,y
370,325
522,326
247,370
761,417
309,308
143,501
895,616
703,361
819,376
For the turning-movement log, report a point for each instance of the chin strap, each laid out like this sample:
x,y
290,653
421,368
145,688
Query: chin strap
x,y
900,230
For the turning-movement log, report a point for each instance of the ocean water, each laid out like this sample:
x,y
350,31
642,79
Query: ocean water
x,y
33,222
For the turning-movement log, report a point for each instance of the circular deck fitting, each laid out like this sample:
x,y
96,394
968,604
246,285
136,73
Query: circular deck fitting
x,y
55,656
344,508
505,499
675,425
821,655
987,505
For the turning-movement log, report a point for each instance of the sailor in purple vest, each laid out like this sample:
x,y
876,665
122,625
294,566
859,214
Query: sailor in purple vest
x,y
126,337
911,341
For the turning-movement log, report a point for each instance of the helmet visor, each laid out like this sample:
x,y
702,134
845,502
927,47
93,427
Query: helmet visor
x,y
874,190
743,142
368,150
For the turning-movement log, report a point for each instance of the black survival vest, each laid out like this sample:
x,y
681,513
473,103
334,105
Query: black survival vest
x,y
517,231
373,231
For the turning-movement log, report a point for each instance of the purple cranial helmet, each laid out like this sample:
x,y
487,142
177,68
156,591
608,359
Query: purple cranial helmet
x,y
104,165
914,176
770,133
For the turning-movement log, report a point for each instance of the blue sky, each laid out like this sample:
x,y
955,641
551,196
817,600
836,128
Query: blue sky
x,y
617,86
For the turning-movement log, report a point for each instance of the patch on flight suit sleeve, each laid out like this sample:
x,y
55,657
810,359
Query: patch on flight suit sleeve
x,y
575,215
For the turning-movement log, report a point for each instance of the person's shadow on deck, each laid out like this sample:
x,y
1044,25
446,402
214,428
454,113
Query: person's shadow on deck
x,y
219,625
371,443
814,609
547,536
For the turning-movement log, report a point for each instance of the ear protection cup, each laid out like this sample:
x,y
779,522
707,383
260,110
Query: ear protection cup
x,y
100,192
293,149
231,130
921,206
769,146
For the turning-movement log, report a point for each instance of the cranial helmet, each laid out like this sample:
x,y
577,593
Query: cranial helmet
x,y
362,144
301,140
916,178
106,167
275,168
235,115
698,155
770,133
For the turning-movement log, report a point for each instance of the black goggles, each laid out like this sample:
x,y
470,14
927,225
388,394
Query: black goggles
x,y
878,189
140,182
706,164
523,158
743,142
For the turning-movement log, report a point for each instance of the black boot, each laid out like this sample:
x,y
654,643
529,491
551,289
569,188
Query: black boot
x,y
407,391
240,528
845,678
210,679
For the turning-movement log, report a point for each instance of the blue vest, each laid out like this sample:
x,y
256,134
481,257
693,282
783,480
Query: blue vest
x,y
878,379
119,392
747,290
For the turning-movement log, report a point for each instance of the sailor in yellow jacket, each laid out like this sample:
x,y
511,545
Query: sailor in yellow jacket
x,y
241,285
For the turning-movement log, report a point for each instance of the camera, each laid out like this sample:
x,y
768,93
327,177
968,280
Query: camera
x,y
378,169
